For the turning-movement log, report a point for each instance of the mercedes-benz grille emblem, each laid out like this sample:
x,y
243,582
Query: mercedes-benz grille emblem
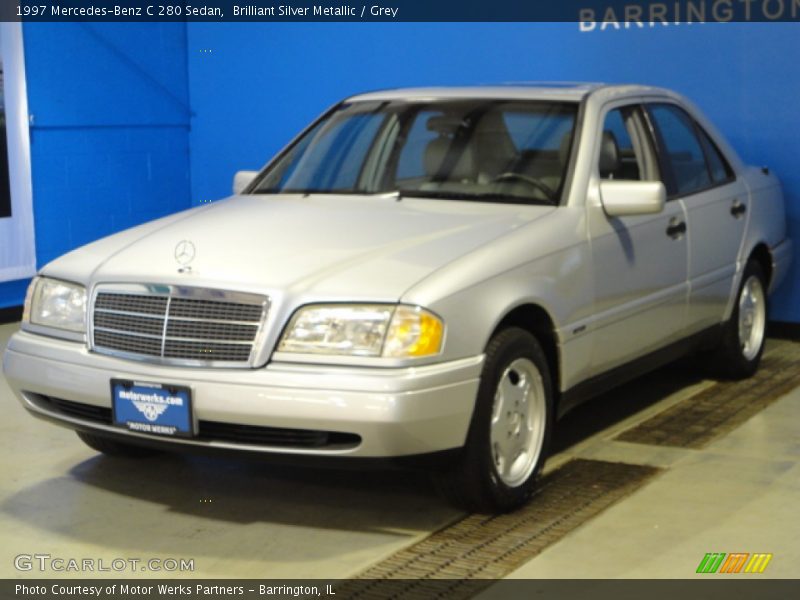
x,y
184,252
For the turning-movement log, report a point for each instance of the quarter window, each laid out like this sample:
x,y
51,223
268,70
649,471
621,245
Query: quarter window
x,y
717,165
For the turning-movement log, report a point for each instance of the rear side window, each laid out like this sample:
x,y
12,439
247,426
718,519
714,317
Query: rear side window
x,y
717,165
684,151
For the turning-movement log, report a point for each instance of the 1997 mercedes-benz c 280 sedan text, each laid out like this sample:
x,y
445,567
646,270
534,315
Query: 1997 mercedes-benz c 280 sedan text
x,y
420,272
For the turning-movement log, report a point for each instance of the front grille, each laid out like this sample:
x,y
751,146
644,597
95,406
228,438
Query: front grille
x,y
205,350
148,325
135,303
211,331
178,325
150,346
214,309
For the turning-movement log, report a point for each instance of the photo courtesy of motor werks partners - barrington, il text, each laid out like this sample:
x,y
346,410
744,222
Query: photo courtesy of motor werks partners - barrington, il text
x,y
164,590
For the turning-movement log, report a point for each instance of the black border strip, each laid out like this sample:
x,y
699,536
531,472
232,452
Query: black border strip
x,y
783,330
591,14
699,587
12,314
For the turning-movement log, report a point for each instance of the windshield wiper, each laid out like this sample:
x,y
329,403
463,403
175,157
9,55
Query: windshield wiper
x,y
483,197
309,191
304,192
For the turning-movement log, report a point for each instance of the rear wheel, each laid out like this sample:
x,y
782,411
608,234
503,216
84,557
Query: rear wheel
x,y
510,429
113,448
739,353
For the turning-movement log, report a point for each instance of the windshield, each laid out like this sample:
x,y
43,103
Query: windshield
x,y
491,150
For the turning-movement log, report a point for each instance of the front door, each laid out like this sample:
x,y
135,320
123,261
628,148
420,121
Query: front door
x,y
640,262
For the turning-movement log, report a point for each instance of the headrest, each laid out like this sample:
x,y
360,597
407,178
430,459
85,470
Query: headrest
x,y
435,152
609,154
494,149
445,124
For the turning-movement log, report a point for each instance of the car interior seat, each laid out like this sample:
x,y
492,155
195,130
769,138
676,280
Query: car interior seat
x,y
441,150
609,162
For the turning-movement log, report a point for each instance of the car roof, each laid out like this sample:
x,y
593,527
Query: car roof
x,y
556,91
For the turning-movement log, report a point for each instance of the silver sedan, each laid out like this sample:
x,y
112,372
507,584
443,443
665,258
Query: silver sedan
x,y
420,272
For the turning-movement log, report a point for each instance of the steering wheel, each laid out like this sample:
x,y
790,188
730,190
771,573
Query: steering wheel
x,y
511,175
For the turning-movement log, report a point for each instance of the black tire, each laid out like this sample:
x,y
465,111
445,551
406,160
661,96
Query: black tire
x,y
474,482
111,447
733,359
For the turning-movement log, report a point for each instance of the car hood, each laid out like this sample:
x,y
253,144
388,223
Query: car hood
x,y
365,247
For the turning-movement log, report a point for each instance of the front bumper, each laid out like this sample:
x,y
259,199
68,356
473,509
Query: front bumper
x,y
394,411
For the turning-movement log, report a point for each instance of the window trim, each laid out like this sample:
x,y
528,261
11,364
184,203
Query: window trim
x,y
567,183
663,156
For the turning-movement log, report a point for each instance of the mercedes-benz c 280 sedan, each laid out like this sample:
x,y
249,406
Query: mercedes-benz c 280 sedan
x,y
421,272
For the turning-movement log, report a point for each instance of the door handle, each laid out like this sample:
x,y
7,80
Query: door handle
x,y
738,209
676,228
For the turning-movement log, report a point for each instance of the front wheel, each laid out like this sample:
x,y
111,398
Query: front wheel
x,y
510,428
739,353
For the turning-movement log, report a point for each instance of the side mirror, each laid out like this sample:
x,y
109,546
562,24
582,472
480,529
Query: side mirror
x,y
242,179
624,198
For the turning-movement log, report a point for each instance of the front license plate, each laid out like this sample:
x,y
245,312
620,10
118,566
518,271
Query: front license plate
x,y
153,408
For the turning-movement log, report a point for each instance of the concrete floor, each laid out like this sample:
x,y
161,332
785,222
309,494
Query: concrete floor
x,y
240,518
738,494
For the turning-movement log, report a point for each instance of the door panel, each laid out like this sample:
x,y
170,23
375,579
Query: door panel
x,y
640,284
640,264
715,237
699,177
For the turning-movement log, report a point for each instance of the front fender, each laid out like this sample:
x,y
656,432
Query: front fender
x,y
475,293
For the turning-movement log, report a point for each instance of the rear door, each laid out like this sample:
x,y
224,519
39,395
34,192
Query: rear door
x,y
701,180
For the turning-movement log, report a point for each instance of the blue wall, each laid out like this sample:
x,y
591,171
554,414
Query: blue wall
x,y
113,127
109,139
254,86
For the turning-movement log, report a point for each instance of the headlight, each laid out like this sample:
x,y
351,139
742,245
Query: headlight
x,y
363,330
57,304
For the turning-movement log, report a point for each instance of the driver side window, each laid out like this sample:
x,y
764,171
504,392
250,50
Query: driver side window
x,y
626,151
